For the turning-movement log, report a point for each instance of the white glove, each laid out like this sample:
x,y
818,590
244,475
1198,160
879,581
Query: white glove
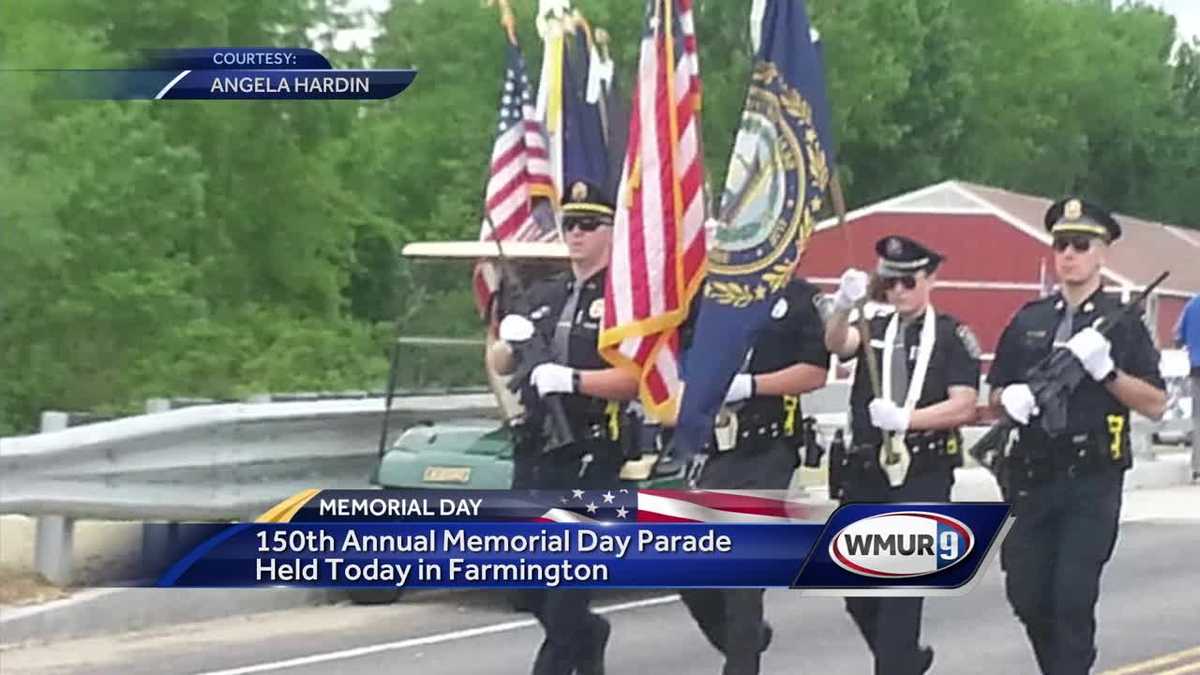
x,y
552,378
1018,402
1094,351
741,388
888,416
851,289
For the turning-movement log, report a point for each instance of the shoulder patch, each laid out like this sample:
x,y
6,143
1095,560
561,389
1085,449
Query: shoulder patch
x,y
970,342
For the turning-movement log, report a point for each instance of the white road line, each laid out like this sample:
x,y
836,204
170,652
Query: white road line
x,y
422,641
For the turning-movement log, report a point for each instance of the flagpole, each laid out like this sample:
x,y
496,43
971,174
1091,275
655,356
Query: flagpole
x,y
839,206
507,20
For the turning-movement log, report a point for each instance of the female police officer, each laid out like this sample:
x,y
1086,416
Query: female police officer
x,y
929,364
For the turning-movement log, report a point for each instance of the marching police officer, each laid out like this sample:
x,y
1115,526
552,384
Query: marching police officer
x,y
757,444
929,368
568,309
1066,490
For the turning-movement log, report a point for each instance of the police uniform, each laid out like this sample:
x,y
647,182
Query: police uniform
x,y
891,626
764,454
569,312
1065,490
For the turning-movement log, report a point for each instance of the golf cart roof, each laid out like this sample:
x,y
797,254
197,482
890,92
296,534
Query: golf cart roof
x,y
513,250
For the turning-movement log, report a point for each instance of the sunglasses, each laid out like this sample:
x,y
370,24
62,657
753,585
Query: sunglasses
x,y
908,281
585,224
1081,243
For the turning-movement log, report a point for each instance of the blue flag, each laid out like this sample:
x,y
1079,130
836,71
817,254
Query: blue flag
x,y
586,119
776,184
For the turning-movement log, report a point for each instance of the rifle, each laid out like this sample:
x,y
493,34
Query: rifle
x,y
1052,381
530,349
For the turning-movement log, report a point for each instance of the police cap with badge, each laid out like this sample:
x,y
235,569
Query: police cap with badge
x,y
1073,217
587,207
901,257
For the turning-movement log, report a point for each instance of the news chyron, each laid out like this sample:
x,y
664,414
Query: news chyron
x,y
606,538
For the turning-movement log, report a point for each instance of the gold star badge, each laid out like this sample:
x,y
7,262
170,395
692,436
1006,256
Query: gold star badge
x,y
1073,210
579,191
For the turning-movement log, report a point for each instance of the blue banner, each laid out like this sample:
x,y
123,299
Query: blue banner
x,y
268,73
497,555
777,177
538,539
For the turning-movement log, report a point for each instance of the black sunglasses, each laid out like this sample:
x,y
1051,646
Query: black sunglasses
x,y
1081,243
908,281
585,224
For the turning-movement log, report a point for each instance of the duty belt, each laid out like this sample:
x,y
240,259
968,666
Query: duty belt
x,y
1074,455
926,447
758,425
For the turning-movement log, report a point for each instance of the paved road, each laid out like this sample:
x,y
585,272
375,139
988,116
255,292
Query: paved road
x,y
1150,609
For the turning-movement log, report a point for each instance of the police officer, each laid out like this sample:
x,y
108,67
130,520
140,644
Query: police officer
x,y
929,369
1066,490
757,445
568,308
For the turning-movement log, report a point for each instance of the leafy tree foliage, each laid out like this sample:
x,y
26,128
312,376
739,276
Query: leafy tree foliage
x,y
218,249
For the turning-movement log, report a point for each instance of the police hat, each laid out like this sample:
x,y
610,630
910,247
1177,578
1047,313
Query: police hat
x,y
584,200
901,256
1076,216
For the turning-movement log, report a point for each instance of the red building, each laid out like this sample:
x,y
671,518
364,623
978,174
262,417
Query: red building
x,y
998,254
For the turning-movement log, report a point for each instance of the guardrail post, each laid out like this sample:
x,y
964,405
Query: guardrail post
x,y
55,535
157,405
157,538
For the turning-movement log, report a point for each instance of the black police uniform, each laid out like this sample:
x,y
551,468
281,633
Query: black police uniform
x,y
892,626
1066,490
568,312
769,435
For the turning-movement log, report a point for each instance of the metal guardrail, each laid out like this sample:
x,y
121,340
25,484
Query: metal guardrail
x,y
223,461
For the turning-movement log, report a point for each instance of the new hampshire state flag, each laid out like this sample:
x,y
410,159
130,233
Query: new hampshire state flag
x,y
776,183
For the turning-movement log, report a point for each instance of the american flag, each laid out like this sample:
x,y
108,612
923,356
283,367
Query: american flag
x,y
658,253
679,506
519,175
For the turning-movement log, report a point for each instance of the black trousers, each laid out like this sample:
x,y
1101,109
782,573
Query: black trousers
x,y
892,626
575,637
732,619
1064,533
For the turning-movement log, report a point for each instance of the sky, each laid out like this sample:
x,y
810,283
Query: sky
x,y
1187,14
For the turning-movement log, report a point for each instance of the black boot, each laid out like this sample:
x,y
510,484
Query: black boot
x,y
767,634
925,658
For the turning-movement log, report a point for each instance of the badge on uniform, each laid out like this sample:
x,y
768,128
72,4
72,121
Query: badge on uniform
x,y
780,309
596,309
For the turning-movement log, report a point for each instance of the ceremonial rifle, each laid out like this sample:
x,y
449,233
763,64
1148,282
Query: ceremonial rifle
x,y
1052,381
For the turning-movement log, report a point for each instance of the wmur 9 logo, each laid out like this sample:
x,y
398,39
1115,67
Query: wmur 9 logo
x,y
901,545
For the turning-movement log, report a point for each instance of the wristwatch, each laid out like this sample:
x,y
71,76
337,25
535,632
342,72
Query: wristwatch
x,y
576,382
1110,377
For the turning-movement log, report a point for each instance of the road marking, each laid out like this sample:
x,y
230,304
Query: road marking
x,y
1158,661
427,640
1193,668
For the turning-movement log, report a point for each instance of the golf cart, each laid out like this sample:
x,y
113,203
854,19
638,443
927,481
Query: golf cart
x,y
474,451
